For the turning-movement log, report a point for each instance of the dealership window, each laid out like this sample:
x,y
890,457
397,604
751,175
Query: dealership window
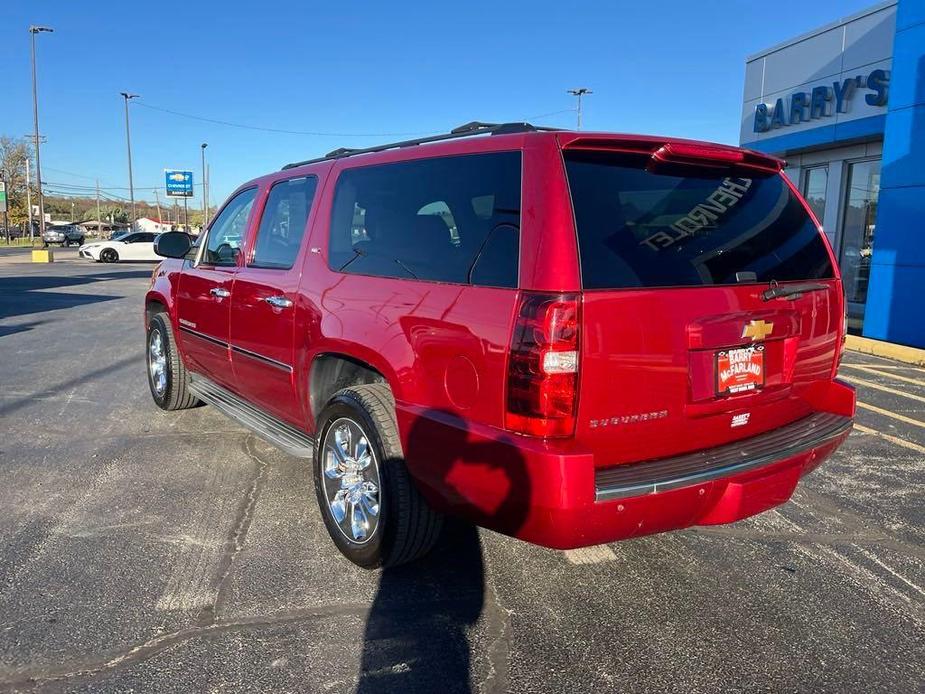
x,y
858,227
815,181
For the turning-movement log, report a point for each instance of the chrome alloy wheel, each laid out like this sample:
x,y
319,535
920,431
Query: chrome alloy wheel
x,y
351,480
157,362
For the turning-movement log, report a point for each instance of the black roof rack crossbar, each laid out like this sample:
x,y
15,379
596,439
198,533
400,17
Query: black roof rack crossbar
x,y
465,130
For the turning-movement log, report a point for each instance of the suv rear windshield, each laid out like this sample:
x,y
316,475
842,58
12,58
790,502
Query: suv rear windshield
x,y
676,227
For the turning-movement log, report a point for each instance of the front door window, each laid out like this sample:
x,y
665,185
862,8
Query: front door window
x,y
226,234
858,228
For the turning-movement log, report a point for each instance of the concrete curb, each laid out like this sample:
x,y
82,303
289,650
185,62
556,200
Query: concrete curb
x,y
889,350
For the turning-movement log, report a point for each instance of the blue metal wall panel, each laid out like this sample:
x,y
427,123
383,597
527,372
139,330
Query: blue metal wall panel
x,y
895,310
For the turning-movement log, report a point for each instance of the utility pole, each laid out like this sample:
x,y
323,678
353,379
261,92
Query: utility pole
x,y
186,213
99,219
579,92
205,187
33,30
128,145
29,201
6,218
157,201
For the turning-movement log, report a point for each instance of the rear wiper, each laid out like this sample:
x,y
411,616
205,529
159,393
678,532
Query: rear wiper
x,y
404,267
357,253
791,291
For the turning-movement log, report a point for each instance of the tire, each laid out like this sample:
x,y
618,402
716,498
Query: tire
x,y
66,243
109,255
405,528
80,241
173,392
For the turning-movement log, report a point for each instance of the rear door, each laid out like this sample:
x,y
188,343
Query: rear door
x,y
265,299
682,350
204,294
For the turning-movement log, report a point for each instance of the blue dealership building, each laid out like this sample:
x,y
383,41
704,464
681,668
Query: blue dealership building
x,y
845,106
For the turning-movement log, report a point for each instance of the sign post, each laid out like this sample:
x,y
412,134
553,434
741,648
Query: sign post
x,y
179,184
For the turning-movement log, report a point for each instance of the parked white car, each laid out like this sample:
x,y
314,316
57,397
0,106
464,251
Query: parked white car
x,y
135,246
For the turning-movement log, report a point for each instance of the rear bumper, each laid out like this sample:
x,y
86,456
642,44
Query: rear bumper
x,y
529,490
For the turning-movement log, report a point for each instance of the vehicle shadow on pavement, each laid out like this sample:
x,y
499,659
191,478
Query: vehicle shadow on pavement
x,y
418,630
21,295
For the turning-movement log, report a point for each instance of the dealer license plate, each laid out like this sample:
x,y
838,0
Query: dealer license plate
x,y
739,370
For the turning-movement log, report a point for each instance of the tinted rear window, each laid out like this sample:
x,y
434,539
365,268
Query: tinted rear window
x,y
446,219
687,226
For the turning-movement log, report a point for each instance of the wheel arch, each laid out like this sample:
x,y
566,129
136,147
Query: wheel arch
x,y
333,371
156,302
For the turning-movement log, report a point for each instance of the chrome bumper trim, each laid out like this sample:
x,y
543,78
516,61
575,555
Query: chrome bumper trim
x,y
654,476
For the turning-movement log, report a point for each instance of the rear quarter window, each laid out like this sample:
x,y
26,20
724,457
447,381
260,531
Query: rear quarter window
x,y
687,226
446,219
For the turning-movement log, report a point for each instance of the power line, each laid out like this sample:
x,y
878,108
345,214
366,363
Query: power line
x,y
274,130
312,132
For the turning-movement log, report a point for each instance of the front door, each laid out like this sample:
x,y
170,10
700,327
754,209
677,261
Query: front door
x,y
204,293
265,299
138,246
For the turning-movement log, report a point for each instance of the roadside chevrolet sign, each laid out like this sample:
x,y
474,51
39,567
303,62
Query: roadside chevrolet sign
x,y
179,183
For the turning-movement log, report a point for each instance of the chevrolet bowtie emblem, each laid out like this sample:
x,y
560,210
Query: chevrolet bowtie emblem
x,y
757,330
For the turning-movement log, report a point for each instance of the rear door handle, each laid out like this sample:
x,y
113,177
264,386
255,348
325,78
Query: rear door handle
x,y
278,301
219,292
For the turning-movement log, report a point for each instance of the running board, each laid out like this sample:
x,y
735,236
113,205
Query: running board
x,y
266,426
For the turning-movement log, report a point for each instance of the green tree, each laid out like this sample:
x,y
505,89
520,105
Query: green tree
x,y
13,156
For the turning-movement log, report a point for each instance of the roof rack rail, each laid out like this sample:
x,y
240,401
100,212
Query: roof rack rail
x,y
466,130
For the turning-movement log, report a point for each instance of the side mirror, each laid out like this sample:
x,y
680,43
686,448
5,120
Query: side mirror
x,y
172,244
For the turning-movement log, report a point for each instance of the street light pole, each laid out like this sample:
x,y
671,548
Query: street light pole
x,y
205,189
33,30
128,145
579,92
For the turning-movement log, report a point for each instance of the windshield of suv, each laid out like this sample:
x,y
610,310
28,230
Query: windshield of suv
x,y
674,227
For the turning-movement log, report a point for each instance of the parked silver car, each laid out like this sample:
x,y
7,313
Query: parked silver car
x,y
64,234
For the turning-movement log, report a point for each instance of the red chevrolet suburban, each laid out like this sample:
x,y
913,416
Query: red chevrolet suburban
x,y
568,337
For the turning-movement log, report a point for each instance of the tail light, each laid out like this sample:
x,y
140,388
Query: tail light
x,y
542,386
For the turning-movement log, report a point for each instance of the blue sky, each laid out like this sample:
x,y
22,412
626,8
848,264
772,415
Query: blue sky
x,y
355,67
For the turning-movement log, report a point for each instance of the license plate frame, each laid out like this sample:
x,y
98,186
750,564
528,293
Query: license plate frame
x,y
739,370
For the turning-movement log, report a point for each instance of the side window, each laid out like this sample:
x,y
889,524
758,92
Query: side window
x,y
447,219
129,238
226,234
283,223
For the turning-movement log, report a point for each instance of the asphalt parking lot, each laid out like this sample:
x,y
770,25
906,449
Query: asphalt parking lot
x,y
150,551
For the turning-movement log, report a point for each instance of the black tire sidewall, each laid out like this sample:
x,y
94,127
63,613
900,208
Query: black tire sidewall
x,y
157,323
371,554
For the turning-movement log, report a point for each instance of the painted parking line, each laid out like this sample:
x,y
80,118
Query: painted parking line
x,y
598,554
872,370
892,415
888,437
885,389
